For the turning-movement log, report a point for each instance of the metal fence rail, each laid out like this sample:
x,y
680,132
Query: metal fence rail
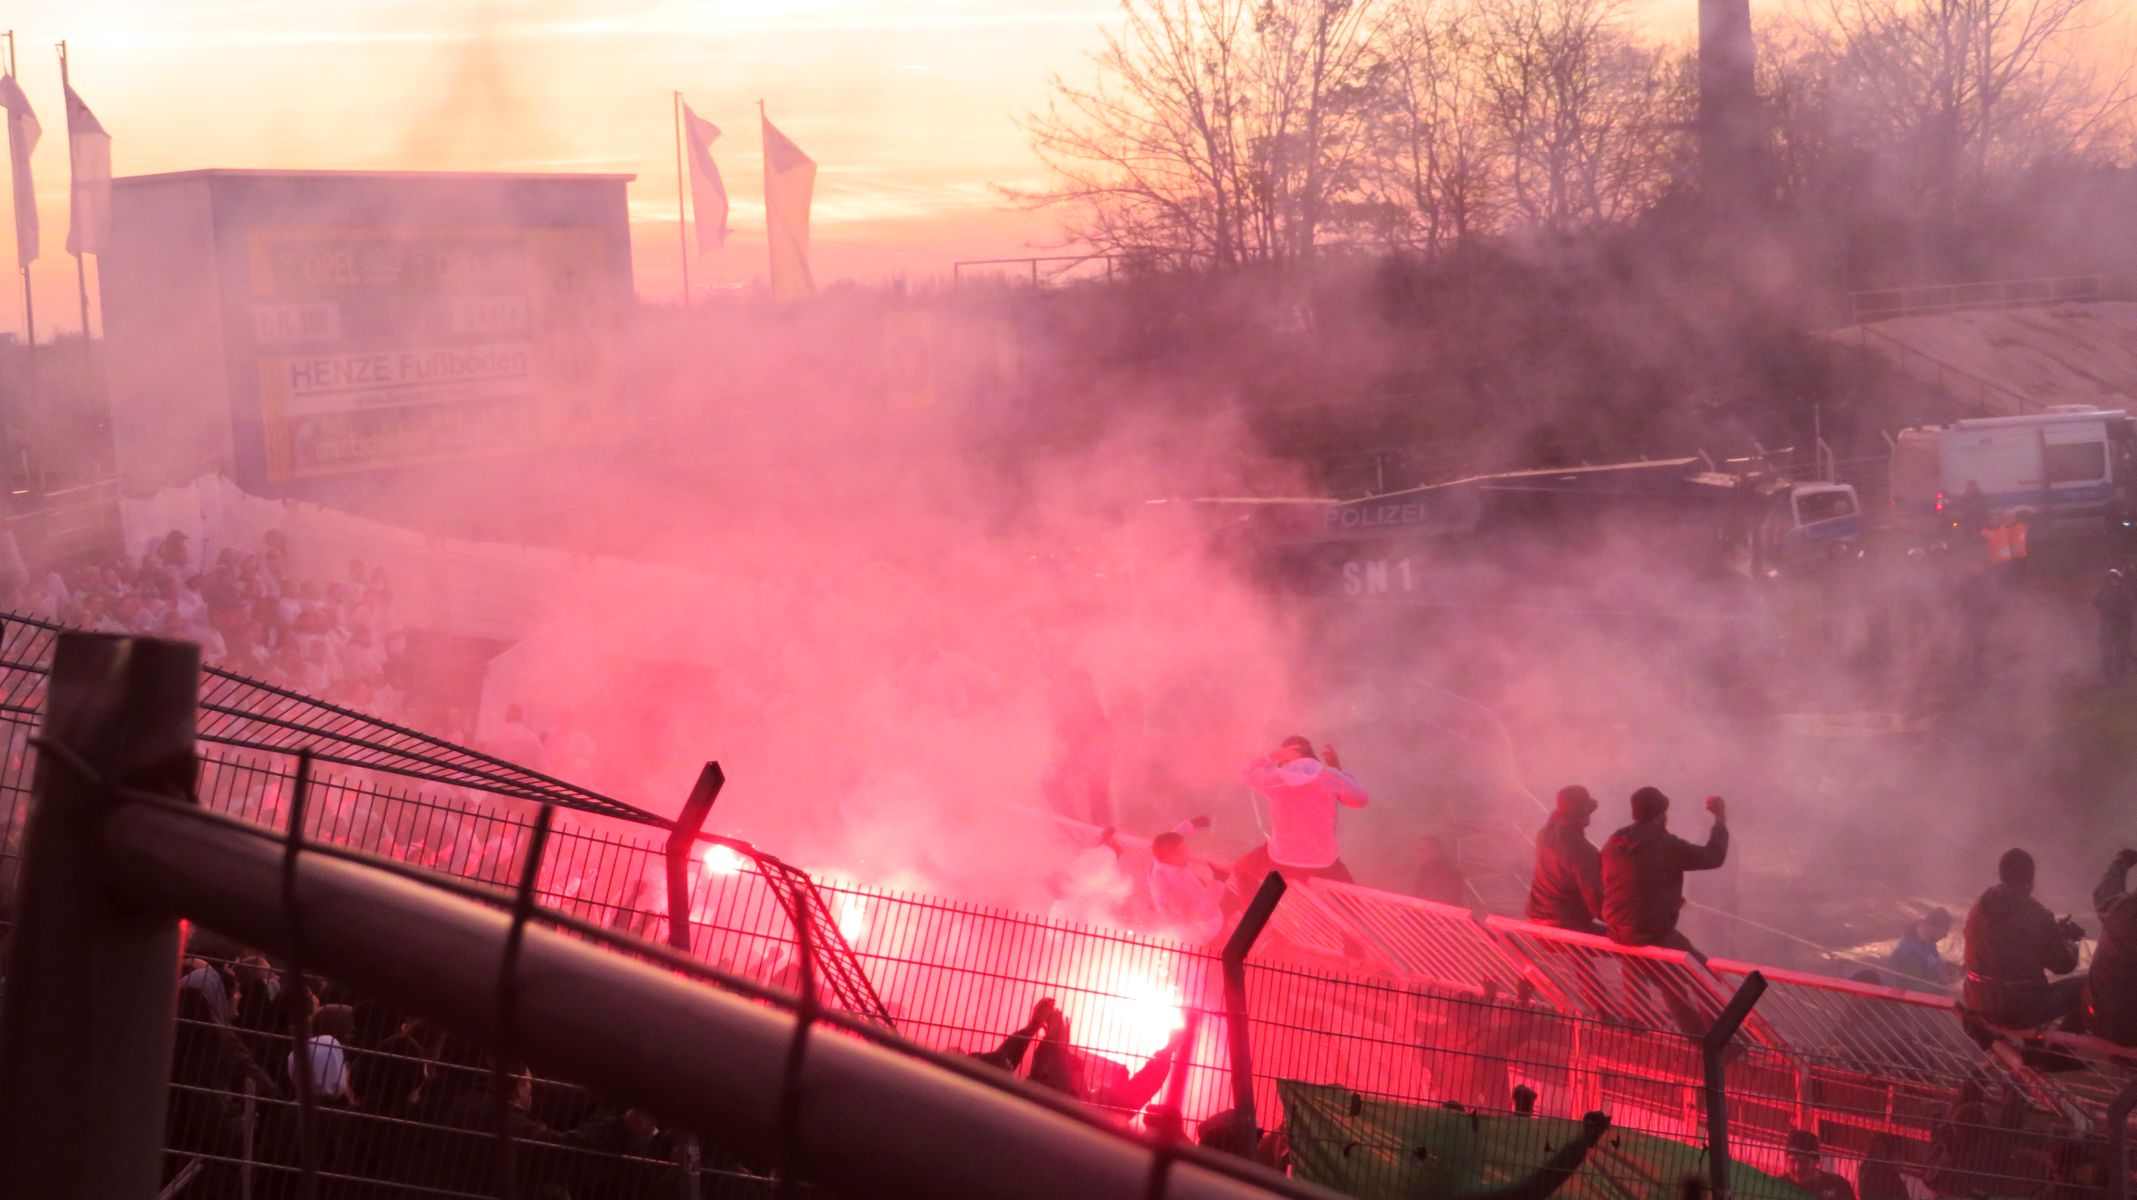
x,y
1963,297
1423,939
241,712
1398,1001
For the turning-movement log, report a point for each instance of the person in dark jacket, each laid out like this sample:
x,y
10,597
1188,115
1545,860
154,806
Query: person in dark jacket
x,y
1643,872
1566,891
2111,986
1804,1171
2013,944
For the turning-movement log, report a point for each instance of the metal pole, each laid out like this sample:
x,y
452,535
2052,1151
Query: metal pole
x,y
681,841
2118,1140
81,274
682,225
879,1119
85,1039
1236,947
8,473
1717,1039
250,1123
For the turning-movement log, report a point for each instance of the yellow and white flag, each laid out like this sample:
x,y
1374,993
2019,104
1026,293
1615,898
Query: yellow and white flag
x,y
708,195
789,181
22,134
89,152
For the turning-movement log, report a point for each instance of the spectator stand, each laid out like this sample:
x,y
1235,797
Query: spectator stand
x,y
2074,1075
1634,987
1419,1013
1303,929
1441,944
1643,1011
1867,1060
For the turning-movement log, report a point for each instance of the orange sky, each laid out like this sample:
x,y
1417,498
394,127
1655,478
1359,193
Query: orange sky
x,y
907,105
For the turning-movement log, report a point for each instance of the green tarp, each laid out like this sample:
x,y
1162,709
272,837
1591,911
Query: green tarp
x,y
1383,1150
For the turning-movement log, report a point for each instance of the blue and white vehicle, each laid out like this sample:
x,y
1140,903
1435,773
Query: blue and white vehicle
x,y
2063,466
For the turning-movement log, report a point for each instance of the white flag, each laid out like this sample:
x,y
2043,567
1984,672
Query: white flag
x,y
22,134
89,219
708,196
789,182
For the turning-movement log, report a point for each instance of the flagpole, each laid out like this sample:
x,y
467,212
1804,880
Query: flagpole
x,y
682,226
29,306
81,273
8,478
763,159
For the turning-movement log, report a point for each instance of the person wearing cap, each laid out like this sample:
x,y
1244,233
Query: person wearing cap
x,y
1805,1173
1566,890
2116,605
2111,985
2013,945
1643,871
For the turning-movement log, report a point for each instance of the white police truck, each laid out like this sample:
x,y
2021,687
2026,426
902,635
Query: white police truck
x,y
2063,466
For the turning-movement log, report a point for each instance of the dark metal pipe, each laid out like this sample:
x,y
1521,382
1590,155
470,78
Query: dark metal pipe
x,y
85,1041
1236,949
1711,1046
876,1122
681,841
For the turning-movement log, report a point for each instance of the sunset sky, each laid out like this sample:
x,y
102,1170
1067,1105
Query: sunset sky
x,y
907,105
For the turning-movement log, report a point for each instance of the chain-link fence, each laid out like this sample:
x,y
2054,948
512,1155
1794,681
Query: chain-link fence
x,y
1397,1045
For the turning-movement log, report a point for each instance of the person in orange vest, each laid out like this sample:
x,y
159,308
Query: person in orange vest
x,y
1997,537
2006,539
2014,527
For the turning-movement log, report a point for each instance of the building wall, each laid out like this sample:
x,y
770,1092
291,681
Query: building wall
x,y
165,364
367,323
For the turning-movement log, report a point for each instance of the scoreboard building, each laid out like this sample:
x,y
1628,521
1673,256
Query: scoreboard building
x,y
294,328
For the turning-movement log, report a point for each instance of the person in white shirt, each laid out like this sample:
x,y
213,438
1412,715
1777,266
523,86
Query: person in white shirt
x,y
1184,896
332,1026
1303,791
517,743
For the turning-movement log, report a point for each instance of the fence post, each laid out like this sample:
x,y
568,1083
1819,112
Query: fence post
x,y
85,1041
251,1115
1236,947
2118,1141
1711,1046
681,841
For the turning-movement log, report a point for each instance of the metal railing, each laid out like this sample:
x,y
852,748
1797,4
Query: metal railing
x,y
1400,1001
117,852
1964,297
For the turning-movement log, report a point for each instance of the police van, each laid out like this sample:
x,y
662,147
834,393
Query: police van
x,y
2063,466
1479,541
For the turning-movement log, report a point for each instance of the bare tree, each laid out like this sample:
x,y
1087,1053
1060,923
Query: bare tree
x,y
1435,159
1591,122
1946,94
1228,130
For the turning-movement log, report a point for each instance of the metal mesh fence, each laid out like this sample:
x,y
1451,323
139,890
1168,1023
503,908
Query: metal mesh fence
x,y
1382,1027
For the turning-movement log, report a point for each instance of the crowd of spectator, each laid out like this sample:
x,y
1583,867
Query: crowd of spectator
x,y
338,639
400,1106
